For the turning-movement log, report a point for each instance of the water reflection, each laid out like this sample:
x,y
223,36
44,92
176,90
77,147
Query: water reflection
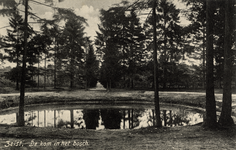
x,y
91,118
104,118
111,118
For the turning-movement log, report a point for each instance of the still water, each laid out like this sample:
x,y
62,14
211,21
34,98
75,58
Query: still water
x,y
103,118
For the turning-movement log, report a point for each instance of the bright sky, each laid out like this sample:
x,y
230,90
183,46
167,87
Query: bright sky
x,y
89,9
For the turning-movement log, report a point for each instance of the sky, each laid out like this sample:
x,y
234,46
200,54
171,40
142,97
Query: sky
x,y
89,9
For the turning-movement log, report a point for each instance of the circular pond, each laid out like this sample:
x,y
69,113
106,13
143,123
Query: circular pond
x,y
102,117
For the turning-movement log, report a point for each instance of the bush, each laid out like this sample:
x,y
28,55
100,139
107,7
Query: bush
x,y
6,82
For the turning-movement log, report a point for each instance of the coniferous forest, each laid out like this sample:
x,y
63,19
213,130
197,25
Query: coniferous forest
x,y
140,45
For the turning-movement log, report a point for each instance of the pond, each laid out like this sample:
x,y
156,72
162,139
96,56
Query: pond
x,y
102,117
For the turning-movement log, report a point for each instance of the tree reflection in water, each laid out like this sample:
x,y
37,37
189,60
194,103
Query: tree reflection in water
x,y
106,118
169,118
91,117
111,118
29,118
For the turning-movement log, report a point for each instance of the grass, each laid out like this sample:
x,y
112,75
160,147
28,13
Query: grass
x,y
65,97
189,137
115,97
103,97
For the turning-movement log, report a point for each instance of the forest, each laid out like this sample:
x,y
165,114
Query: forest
x,y
155,53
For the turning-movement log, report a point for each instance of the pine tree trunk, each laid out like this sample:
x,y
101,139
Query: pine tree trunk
x,y
17,66
204,61
55,75
225,117
210,120
55,67
72,118
21,120
71,80
165,56
156,96
110,85
107,86
132,68
164,76
55,119
17,61
132,82
38,71
71,73
45,71
129,117
165,118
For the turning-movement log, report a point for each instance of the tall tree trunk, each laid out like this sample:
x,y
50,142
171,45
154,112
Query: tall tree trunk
x,y
210,120
165,63
72,73
124,119
38,71
204,61
132,68
157,105
55,67
17,66
38,118
45,71
45,119
129,118
17,59
21,121
132,82
55,119
164,118
86,69
164,75
72,118
86,79
171,118
110,85
132,118
107,85
71,80
225,116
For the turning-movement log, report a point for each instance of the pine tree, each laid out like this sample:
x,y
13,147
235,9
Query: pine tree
x,y
91,67
14,42
210,120
121,29
72,48
9,9
225,116
133,44
197,15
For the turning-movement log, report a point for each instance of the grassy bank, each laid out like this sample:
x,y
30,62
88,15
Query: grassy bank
x,y
104,97
189,137
195,99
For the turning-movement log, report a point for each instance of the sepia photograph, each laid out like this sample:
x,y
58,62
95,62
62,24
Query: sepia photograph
x,y
117,74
